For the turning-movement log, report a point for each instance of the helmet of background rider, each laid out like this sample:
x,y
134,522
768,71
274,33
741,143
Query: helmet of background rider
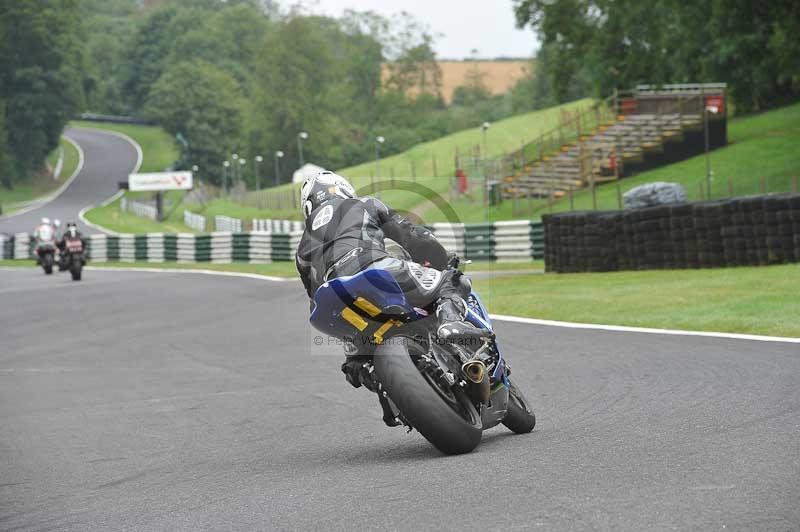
x,y
57,223
45,220
322,187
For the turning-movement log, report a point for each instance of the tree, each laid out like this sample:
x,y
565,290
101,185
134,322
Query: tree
x,y
40,77
605,44
203,103
416,71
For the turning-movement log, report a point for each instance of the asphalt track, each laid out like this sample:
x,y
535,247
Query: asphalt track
x,y
108,159
159,401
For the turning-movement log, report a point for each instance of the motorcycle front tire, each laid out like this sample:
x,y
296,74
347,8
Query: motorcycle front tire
x,y
47,263
76,268
519,415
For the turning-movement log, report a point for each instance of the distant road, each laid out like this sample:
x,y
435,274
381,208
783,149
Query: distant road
x,y
108,159
170,401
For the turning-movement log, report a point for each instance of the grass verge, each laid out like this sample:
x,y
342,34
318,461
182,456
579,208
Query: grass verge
x,y
113,218
759,300
746,300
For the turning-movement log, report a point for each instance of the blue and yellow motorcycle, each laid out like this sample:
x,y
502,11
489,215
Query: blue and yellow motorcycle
x,y
447,391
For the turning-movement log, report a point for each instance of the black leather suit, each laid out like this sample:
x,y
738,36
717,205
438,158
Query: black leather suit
x,y
345,236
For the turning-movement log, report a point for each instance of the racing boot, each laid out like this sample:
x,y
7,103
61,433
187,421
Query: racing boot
x,y
451,311
356,363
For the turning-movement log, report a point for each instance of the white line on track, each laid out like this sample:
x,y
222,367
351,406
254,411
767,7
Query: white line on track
x,y
645,330
47,199
139,159
498,317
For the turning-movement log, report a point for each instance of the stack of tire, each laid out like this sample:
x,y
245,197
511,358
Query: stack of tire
x,y
756,230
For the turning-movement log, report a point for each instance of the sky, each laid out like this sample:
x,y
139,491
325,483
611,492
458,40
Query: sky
x,y
485,25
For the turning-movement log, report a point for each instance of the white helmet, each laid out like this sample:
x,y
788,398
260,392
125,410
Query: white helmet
x,y
322,187
57,223
46,220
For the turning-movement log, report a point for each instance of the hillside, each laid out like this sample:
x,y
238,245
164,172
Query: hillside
x,y
761,152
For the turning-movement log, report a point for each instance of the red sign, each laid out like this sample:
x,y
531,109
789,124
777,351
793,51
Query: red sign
x,y
717,101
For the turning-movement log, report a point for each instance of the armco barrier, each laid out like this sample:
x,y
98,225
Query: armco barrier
x,y
195,221
521,240
500,241
220,247
753,231
23,246
138,208
6,247
226,223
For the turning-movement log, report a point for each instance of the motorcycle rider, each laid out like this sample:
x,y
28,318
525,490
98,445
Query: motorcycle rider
x,y
45,230
344,235
70,233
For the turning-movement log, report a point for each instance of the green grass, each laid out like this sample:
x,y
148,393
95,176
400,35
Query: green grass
x,y
112,218
40,185
760,146
760,300
158,147
738,300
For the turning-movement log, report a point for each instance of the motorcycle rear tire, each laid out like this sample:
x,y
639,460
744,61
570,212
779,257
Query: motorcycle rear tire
x,y
519,415
421,404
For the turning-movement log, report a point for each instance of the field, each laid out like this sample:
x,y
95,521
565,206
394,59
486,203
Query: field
x,y
42,184
498,76
760,146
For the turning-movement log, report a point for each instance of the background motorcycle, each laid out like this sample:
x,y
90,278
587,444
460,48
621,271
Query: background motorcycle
x,y
72,257
448,392
45,253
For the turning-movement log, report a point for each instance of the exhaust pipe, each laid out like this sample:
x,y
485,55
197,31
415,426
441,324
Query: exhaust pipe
x,y
475,370
478,377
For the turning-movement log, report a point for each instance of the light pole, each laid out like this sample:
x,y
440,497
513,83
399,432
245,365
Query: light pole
x,y
235,176
300,138
708,109
484,128
258,159
378,141
278,157
194,169
225,165
242,162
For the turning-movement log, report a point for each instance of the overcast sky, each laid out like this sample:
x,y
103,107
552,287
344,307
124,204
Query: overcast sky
x,y
486,25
